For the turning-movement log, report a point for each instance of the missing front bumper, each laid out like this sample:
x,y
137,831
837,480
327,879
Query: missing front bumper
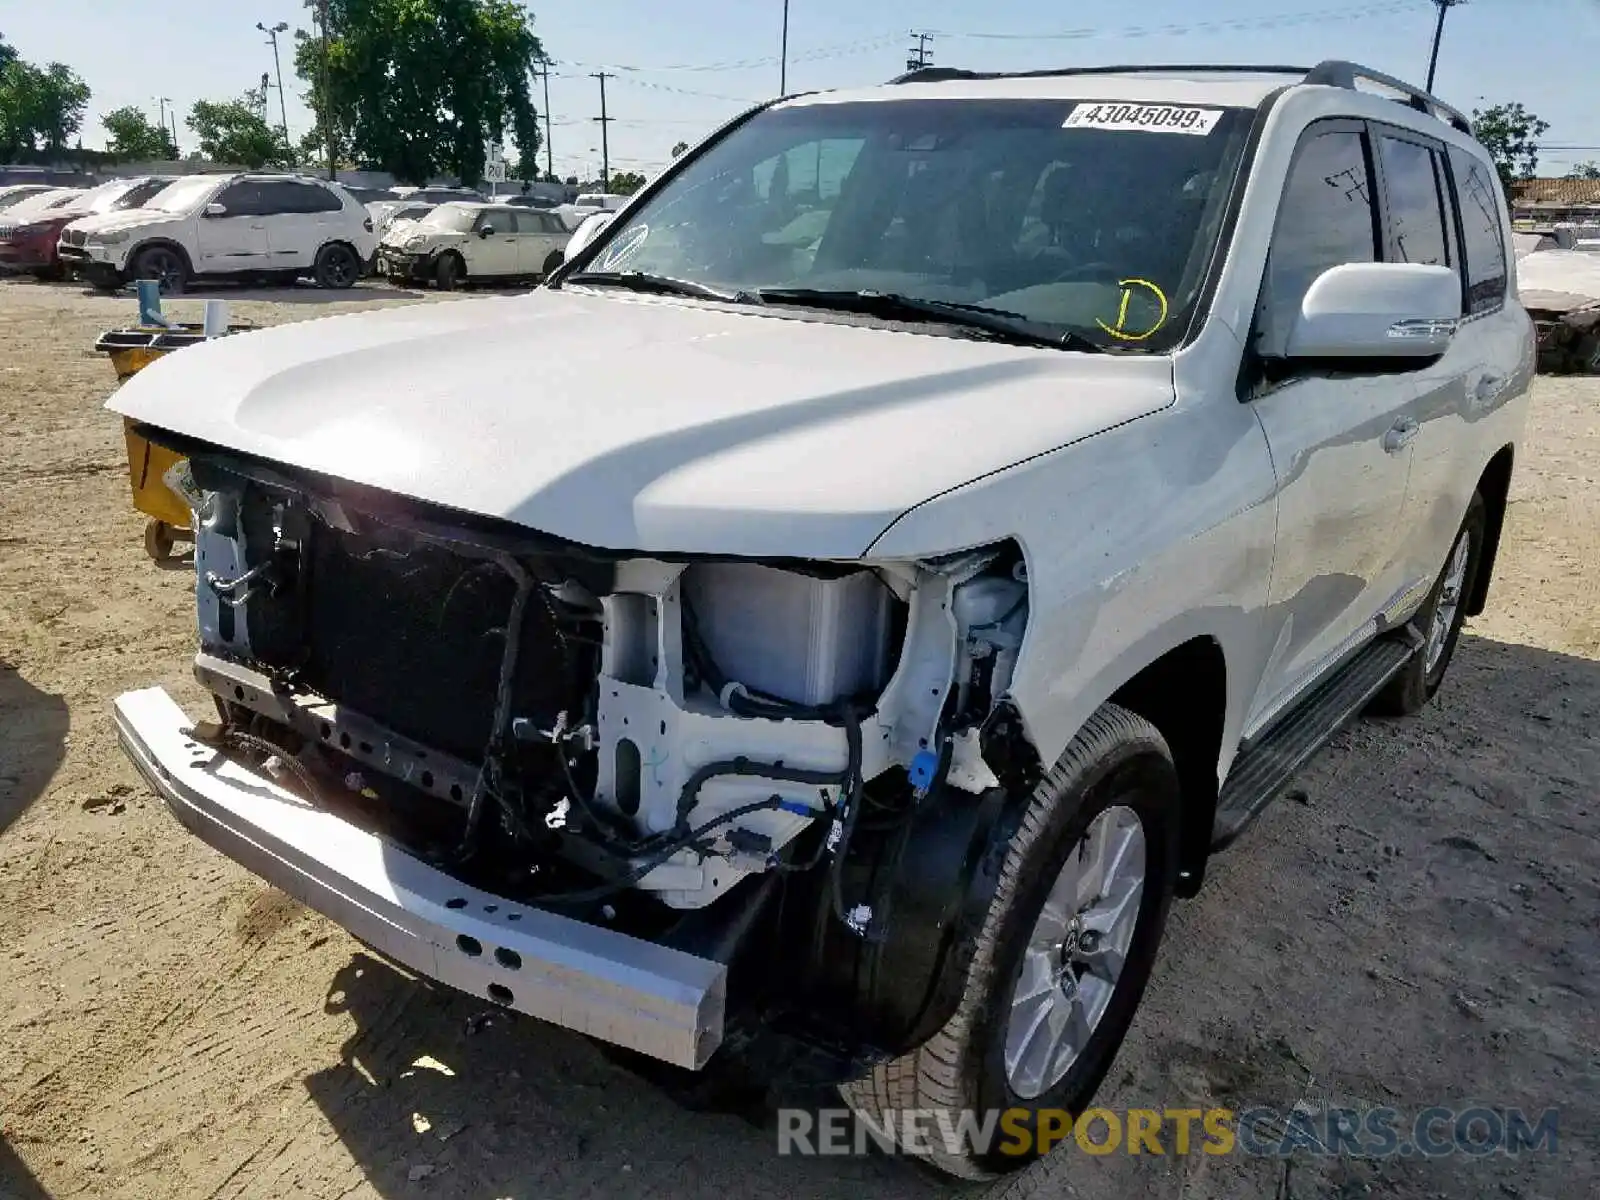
x,y
619,989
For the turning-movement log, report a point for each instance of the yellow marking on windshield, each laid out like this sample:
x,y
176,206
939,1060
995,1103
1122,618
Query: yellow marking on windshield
x,y
1120,329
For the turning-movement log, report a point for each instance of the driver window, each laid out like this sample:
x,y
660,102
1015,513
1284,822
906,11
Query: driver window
x,y
796,190
1326,219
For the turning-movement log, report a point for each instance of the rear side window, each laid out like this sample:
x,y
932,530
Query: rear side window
x,y
1416,204
1483,244
1326,219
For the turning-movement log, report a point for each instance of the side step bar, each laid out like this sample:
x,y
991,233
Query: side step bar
x,y
1260,774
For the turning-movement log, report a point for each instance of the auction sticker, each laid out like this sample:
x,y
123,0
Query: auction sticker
x,y
1144,118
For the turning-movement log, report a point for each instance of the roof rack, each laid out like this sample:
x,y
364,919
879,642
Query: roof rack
x,y
1332,73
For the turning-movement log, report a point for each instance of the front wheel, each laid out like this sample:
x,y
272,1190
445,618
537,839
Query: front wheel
x,y
165,265
449,272
1439,622
1066,948
337,266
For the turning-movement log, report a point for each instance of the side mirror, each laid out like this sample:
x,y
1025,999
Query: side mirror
x,y
486,231
1377,311
587,232
216,210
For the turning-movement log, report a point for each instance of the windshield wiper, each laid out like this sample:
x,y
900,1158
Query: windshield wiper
x,y
658,285
997,323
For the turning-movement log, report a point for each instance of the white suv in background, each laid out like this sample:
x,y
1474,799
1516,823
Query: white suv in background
x,y
228,227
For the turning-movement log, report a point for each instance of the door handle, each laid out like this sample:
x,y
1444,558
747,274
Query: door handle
x,y
1399,435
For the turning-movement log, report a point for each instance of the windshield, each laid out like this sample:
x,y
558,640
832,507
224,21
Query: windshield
x,y
41,203
1091,218
448,218
113,196
182,196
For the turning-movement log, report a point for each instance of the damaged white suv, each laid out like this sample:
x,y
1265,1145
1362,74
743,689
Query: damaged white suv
x,y
823,630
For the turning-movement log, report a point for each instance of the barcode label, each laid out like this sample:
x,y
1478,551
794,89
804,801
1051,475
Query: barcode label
x,y
1144,118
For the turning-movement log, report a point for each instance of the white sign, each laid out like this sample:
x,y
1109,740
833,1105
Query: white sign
x,y
495,172
1143,118
497,153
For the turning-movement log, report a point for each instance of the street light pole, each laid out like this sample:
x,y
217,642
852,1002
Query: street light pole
x,y
1438,37
277,64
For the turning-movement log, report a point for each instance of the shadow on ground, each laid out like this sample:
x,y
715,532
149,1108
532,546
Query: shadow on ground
x,y
16,1181
33,729
1417,930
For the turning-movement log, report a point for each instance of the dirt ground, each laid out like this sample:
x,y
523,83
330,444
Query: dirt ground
x,y
1418,925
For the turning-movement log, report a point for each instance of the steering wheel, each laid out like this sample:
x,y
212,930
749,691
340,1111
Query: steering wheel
x,y
1092,272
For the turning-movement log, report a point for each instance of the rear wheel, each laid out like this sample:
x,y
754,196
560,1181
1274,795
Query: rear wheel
x,y
337,266
163,264
450,272
555,259
1066,949
1439,621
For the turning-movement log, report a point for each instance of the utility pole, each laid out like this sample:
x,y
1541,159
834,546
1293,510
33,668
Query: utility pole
x,y
783,54
919,56
605,145
327,96
1438,36
272,33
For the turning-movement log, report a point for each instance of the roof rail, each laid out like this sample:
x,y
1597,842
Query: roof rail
x,y
941,74
1340,74
1332,73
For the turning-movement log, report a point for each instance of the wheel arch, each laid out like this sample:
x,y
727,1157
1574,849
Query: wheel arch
x,y
1494,485
165,243
1184,694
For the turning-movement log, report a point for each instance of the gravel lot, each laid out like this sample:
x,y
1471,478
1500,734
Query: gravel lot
x,y
1419,925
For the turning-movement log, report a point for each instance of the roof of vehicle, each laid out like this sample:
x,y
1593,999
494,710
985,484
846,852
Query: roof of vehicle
x,y
1227,85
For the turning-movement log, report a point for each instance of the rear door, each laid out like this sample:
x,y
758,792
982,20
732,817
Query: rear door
x,y
303,217
1472,379
235,240
1339,439
542,235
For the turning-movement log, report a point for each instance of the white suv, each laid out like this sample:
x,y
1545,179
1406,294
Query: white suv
x,y
827,625
242,227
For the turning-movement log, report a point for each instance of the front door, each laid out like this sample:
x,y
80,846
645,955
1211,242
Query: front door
x,y
1341,443
492,247
235,239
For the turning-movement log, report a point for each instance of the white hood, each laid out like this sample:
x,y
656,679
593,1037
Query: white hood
x,y
129,218
638,423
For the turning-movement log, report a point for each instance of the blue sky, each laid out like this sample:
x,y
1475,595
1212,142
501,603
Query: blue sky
x,y
1541,52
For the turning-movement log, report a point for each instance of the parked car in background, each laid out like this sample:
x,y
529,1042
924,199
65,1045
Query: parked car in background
x,y
460,243
369,195
437,195
18,223
17,192
587,205
32,245
385,213
238,227
529,201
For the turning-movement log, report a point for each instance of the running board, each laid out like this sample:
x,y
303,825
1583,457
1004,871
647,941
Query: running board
x,y
1260,774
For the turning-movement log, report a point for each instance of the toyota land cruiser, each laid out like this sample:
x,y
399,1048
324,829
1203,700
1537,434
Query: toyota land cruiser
x,y
824,628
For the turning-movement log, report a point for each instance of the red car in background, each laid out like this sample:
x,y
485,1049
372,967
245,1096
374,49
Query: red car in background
x,y
30,229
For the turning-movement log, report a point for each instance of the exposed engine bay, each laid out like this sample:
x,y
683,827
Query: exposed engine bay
x,y
582,728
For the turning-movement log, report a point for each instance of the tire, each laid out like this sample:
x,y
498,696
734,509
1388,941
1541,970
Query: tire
x,y
449,272
1408,692
165,264
1585,359
337,267
555,259
1118,768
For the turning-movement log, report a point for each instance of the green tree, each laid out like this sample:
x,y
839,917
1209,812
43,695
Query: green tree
x,y
41,108
680,148
1585,170
135,138
626,183
1510,133
235,132
418,87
